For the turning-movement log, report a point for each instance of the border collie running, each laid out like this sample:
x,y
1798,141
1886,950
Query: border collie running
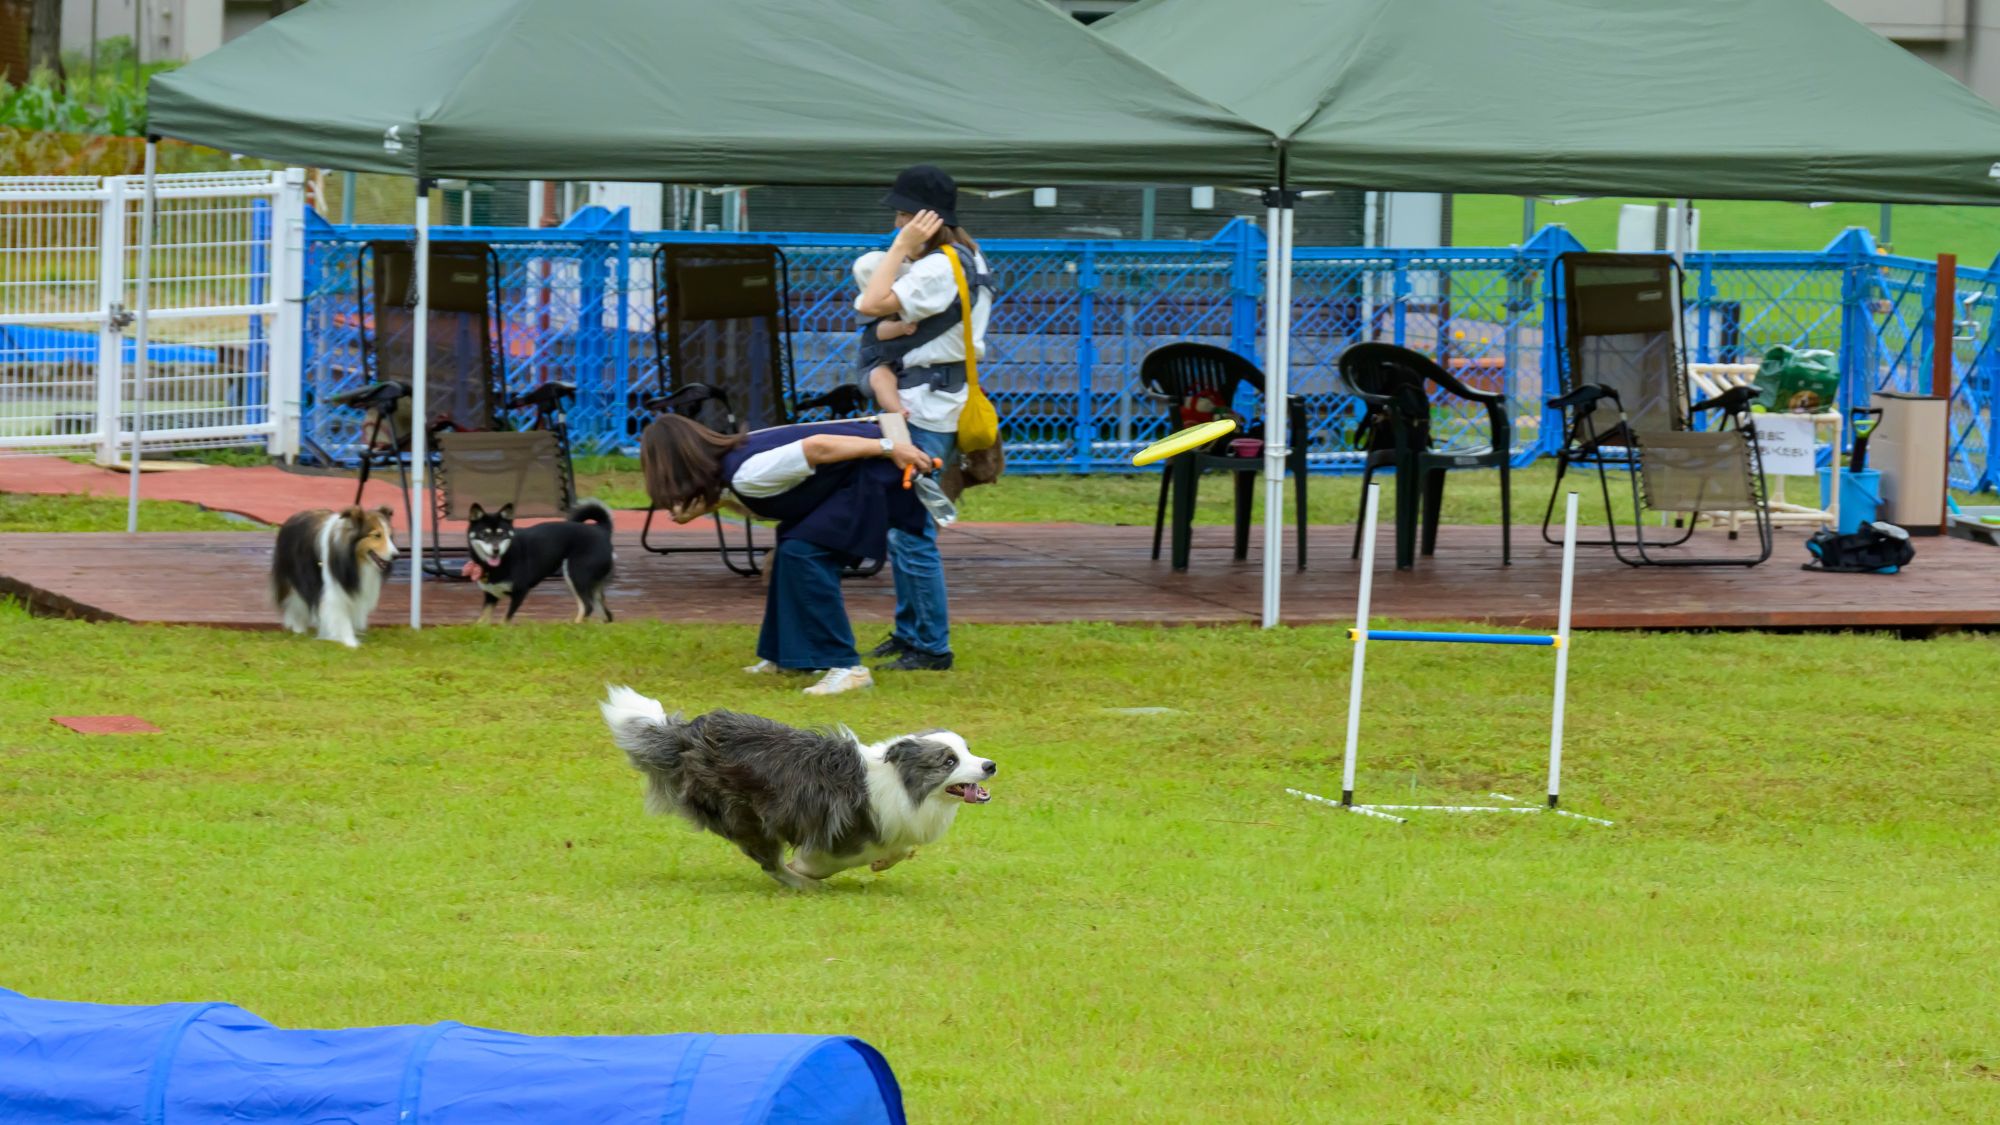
x,y
327,570
764,786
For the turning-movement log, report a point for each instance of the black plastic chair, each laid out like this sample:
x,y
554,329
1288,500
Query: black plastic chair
x,y
1393,382
1174,374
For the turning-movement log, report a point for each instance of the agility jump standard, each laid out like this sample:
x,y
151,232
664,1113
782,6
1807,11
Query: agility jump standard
x,y
1361,635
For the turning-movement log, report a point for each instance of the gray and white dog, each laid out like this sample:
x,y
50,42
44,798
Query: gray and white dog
x,y
764,786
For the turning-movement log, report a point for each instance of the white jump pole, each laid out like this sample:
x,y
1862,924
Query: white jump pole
x,y
1562,650
1360,635
142,301
1355,673
419,396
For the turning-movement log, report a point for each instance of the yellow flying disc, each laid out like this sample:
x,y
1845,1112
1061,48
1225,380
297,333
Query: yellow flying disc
x,y
1180,441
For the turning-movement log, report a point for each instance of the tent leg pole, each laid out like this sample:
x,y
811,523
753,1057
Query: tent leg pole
x,y
1277,362
143,299
419,402
1272,255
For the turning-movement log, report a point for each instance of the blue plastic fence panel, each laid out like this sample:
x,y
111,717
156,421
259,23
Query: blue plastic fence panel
x,y
1075,318
28,344
195,1064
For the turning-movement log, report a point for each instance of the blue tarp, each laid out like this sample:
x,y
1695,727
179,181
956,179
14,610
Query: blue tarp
x,y
183,1064
30,343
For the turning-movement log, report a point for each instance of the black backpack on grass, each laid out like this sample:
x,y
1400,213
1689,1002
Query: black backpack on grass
x,y
1872,548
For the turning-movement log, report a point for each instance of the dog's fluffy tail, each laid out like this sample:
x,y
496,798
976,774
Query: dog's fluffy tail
x,y
653,741
591,511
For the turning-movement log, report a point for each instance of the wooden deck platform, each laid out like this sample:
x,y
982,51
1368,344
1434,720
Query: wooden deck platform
x,y
1024,573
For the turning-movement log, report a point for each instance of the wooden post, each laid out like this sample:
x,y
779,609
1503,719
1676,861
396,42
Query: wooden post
x,y
1944,330
1944,324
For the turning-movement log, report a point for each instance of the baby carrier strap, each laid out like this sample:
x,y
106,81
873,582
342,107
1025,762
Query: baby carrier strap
x,y
977,277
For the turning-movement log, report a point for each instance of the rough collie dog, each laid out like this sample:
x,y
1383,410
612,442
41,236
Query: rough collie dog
x,y
763,786
327,570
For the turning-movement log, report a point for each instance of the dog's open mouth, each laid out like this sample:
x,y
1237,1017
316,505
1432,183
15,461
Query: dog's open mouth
x,y
382,562
970,792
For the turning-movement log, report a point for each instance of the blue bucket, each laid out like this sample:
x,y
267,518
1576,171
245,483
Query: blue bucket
x,y
1860,496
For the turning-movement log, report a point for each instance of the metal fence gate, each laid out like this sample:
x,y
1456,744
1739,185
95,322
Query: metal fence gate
x,y
224,327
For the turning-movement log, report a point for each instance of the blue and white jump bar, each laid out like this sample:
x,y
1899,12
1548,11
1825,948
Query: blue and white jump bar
x,y
1361,634
1456,638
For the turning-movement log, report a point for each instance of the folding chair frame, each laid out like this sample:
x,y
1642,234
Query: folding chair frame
x,y
1586,445
548,402
679,396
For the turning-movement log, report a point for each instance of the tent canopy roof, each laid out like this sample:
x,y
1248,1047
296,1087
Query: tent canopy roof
x,y
1001,92
1715,99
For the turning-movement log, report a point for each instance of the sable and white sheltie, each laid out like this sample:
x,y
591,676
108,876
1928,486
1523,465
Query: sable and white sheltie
x,y
836,801
327,571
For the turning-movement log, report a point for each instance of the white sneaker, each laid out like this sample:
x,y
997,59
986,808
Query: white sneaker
x,y
838,680
763,668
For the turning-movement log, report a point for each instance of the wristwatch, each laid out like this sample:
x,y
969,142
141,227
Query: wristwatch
x,y
888,446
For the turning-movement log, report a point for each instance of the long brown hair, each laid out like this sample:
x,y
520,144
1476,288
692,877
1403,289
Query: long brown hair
x,y
953,234
682,461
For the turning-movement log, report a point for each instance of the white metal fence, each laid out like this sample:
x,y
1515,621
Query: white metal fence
x,y
223,354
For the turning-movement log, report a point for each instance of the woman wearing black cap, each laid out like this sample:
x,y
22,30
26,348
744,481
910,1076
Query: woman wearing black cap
x,y
917,284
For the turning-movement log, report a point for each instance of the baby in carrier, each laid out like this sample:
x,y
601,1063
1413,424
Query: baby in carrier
x,y
884,342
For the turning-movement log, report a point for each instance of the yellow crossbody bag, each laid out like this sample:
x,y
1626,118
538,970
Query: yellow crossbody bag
x,y
978,423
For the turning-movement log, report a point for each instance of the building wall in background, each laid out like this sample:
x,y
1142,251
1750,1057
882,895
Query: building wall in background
x,y
14,40
176,29
1959,37
1924,20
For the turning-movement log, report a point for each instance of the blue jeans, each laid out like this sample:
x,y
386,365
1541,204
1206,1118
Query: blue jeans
x,y
805,617
923,621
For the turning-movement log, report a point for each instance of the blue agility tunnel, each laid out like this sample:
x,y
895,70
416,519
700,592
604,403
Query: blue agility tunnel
x,y
191,1064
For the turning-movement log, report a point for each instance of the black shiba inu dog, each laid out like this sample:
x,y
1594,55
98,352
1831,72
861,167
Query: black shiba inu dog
x,y
509,562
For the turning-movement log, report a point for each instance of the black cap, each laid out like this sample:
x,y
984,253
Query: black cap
x,y
925,187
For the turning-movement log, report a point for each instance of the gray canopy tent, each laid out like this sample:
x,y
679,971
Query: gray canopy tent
x,y
1781,99
1722,99
792,92
1718,99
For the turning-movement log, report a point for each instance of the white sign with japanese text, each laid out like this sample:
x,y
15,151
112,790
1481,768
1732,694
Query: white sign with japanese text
x,y
1787,443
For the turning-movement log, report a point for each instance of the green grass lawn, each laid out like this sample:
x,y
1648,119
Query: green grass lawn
x,y
1471,497
1133,498
1794,917
1972,233
38,512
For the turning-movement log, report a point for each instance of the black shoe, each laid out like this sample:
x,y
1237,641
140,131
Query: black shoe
x,y
892,645
913,661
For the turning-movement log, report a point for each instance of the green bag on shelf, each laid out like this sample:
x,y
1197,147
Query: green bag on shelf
x,y
1797,380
